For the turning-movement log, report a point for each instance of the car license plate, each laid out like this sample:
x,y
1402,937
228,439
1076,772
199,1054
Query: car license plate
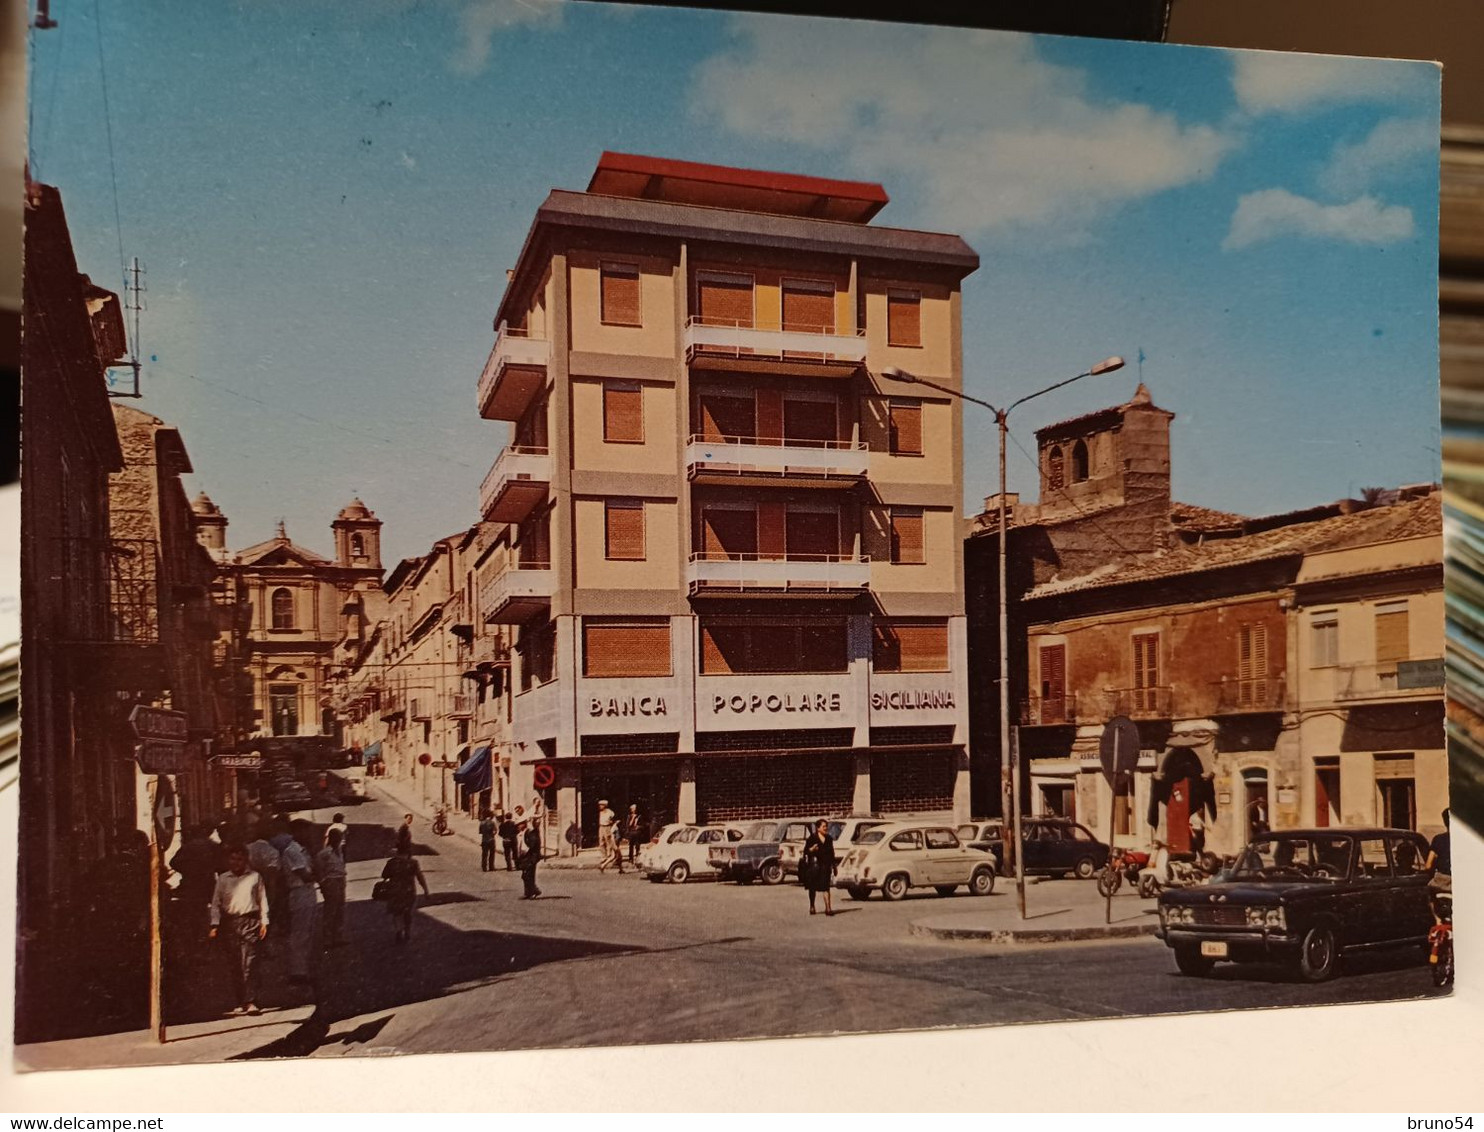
x,y
1213,949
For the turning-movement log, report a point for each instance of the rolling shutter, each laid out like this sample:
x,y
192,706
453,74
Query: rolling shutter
x,y
626,649
772,539
727,418
812,536
724,300
729,534
1053,683
906,536
810,422
625,529
823,647
620,297
906,427
723,648
923,646
770,416
1252,665
904,318
623,412
1393,628
809,308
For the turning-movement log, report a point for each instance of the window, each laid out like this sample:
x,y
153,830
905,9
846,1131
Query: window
x,y
785,645
1079,461
1373,862
905,425
1123,805
903,318
906,536
811,536
910,646
620,294
809,306
623,412
625,648
1392,632
941,839
811,423
1396,790
1326,792
537,651
357,546
1053,660
1146,671
1324,639
283,609
624,529
1055,469
908,839
1407,856
1252,665
723,300
283,705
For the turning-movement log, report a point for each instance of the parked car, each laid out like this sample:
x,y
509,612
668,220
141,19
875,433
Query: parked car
x,y
844,831
349,783
1056,847
904,855
987,837
681,851
1304,897
759,855
291,795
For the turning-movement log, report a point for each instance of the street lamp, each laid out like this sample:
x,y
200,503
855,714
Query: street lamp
x,y
1001,417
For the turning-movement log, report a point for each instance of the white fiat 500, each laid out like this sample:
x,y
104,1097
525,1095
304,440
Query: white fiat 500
x,y
904,855
679,851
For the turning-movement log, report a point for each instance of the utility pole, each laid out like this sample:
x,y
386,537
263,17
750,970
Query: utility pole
x,y
134,290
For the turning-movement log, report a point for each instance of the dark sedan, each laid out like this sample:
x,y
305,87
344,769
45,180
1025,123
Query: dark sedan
x,y
1056,847
1304,897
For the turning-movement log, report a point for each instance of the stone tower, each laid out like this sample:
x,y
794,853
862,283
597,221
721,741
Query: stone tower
x,y
357,537
1115,457
211,525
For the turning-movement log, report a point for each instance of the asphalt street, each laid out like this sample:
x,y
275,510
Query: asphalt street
x,y
607,959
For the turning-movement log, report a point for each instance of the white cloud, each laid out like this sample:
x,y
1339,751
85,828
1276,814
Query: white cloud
x,y
988,131
482,19
1394,146
1271,214
1287,82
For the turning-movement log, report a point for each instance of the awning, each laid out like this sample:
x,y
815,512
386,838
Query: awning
x,y
372,752
474,775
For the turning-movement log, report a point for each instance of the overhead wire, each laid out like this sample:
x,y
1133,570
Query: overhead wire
x,y
1062,492
113,172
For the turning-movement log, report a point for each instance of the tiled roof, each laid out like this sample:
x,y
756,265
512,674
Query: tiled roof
x,y
1413,518
1189,517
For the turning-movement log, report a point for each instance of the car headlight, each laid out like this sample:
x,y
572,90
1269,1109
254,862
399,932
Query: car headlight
x,y
1177,914
1276,919
1256,917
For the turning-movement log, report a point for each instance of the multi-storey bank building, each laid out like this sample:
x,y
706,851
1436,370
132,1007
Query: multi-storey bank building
x,y
733,570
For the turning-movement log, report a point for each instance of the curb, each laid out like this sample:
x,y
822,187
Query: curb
x,y
1033,935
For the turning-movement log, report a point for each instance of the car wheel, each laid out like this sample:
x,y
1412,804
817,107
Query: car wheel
x,y
1319,955
772,873
1191,962
981,883
894,887
945,889
857,893
678,873
1085,868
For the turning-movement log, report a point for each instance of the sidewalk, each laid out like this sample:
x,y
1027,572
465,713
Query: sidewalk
x,y
1057,911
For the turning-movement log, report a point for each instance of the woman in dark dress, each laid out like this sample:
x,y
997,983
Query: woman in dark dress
x,y
817,865
404,874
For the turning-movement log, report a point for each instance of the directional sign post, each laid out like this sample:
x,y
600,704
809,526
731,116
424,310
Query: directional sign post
x,y
1119,751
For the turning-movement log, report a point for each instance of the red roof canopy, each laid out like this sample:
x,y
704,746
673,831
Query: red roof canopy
x,y
747,190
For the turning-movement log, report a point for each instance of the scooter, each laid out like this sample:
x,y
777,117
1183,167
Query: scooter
x,y
1123,865
1162,873
1440,941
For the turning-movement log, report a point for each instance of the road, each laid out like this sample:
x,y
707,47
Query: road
x,y
607,959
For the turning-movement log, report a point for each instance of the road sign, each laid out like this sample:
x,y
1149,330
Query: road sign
x,y
1119,746
543,776
425,758
164,811
249,761
160,757
445,764
159,725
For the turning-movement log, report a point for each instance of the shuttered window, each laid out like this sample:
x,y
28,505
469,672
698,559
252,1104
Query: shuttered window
x,y
625,648
727,418
724,300
625,528
910,646
1252,665
811,536
623,412
904,318
1325,639
906,427
1393,629
1146,671
906,536
808,307
728,534
620,298
782,645
810,423
1053,660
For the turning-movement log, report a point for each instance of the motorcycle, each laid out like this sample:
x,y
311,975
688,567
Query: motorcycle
x,y
1163,872
1123,865
1440,941
440,822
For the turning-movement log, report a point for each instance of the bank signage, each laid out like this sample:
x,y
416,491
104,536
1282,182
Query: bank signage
x,y
775,703
600,707
914,699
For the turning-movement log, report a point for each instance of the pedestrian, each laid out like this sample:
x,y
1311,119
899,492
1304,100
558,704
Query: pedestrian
x,y
338,823
530,859
297,864
509,835
487,830
404,833
403,875
817,865
264,860
329,867
607,843
239,907
635,832
1197,834
197,861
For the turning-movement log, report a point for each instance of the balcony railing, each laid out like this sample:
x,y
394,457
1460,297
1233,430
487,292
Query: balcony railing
x,y
518,481
717,571
1234,697
420,710
460,706
513,375
728,338
1048,711
735,458
1385,680
517,593
1136,703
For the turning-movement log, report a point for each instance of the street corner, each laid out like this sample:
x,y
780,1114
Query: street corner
x,y
1005,928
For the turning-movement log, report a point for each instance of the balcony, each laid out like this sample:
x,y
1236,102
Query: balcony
x,y
1096,706
715,573
517,593
817,351
420,711
1048,711
460,706
750,461
392,707
1379,682
1239,697
514,374
516,484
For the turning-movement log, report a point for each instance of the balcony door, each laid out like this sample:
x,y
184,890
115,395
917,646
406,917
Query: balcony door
x,y
808,306
1053,683
810,423
811,536
728,533
728,418
724,300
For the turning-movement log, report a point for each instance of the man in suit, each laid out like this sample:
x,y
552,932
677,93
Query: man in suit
x,y
531,836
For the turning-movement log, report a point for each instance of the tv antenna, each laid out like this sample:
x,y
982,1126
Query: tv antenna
x,y
134,292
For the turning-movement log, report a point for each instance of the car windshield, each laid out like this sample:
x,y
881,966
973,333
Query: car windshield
x,y
761,831
871,837
1325,856
834,829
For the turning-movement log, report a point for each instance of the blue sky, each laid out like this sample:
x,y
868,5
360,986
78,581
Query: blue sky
x,y
326,198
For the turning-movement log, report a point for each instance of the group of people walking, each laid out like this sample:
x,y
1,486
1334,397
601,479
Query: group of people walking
x,y
520,838
615,832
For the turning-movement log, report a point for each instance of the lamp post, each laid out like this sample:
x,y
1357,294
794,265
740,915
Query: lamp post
x,y
1002,417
